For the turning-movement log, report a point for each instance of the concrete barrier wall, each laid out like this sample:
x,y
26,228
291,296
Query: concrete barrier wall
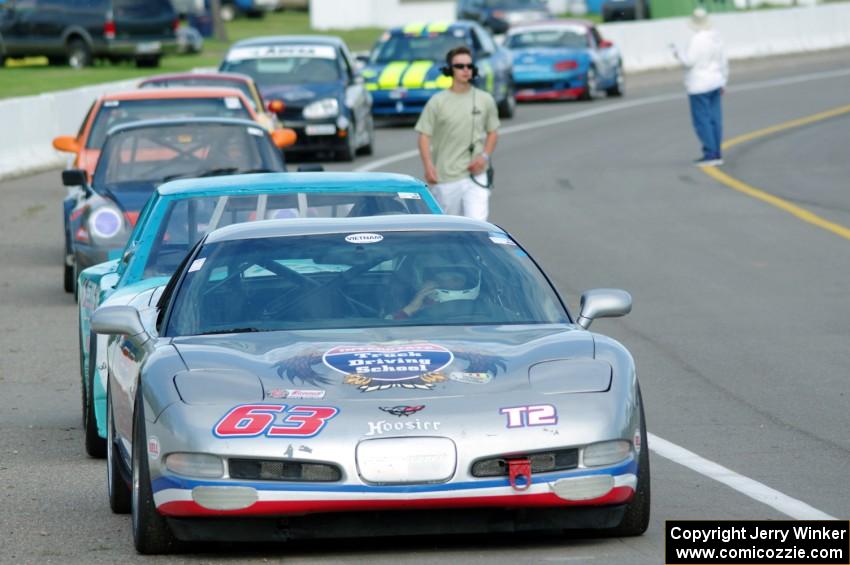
x,y
645,44
28,125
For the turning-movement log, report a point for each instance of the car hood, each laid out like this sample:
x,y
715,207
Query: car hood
x,y
384,364
424,74
546,55
299,95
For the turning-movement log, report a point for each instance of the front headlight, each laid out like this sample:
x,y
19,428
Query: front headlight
x,y
105,223
605,453
325,108
195,465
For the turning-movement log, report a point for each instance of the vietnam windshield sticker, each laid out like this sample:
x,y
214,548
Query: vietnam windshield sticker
x,y
471,378
501,238
409,196
197,264
111,103
232,103
377,367
364,238
255,131
282,51
296,393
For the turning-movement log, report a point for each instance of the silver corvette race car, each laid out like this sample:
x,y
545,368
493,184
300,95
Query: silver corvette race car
x,y
385,375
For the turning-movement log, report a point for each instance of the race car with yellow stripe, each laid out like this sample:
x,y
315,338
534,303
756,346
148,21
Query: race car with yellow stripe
x,y
404,67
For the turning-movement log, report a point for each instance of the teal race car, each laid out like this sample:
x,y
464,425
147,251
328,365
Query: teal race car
x,y
181,212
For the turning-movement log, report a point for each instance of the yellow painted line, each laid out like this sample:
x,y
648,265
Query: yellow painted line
x,y
759,194
780,203
787,125
391,75
415,74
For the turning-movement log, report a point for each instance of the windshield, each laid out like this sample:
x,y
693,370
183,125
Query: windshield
x,y
433,47
352,280
188,220
140,158
571,38
285,64
239,85
117,112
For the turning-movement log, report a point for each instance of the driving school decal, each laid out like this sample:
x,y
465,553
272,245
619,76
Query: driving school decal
x,y
376,367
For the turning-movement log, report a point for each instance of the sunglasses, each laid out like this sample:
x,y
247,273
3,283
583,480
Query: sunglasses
x,y
461,66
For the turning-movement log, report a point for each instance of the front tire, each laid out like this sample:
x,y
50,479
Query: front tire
x,y
148,62
116,484
151,534
507,107
619,87
70,278
591,88
95,445
636,519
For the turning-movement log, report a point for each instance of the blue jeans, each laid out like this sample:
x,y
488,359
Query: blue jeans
x,y
707,117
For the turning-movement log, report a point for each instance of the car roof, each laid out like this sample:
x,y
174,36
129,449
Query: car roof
x,y
553,23
368,224
181,92
296,182
437,26
213,76
290,40
146,124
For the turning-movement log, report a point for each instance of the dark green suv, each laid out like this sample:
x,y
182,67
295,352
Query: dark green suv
x,y
78,31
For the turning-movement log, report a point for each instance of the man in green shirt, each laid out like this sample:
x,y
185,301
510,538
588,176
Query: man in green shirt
x,y
457,136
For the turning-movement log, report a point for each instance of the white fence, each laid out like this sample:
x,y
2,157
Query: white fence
x,y
29,124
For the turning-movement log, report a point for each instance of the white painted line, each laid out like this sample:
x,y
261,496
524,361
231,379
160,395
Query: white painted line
x,y
616,107
754,489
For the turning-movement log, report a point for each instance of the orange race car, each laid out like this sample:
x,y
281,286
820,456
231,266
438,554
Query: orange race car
x,y
110,110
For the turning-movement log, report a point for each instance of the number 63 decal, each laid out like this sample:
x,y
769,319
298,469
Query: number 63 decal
x,y
254,420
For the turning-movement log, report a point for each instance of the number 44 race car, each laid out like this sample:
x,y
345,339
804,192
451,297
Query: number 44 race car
x,y
383,375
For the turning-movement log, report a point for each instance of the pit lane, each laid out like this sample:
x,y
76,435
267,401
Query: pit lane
x,y
739,328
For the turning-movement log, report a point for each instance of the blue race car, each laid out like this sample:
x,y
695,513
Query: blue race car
x,y
180,213
325,101
564,59
403,70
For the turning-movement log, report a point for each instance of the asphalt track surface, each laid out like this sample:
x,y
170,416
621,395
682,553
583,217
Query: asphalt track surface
x,y
740,327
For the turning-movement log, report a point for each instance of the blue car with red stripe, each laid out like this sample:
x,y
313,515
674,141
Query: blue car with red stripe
x,y
564,59
404,68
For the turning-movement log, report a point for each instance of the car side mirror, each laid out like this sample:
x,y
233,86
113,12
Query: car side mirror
x,y
66,143
284,137
120,320
603,303
605,44
74,177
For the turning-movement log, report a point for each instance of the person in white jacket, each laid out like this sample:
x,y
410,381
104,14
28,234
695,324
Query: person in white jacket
x,y
705,80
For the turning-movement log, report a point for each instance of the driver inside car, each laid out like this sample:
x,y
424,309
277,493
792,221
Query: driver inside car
x,y
440,284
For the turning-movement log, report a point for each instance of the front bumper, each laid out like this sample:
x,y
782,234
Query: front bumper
x,y
561,87
317,135
180,497
395,103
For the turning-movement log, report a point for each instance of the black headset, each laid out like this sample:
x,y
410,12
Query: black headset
x,y
447,68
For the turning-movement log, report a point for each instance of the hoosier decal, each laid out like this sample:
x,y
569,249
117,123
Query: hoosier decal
x,y
376,367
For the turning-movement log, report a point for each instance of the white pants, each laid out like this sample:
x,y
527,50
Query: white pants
x,y
464,198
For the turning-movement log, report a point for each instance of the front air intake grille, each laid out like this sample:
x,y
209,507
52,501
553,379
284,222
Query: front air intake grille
x,y
541,462
277,470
